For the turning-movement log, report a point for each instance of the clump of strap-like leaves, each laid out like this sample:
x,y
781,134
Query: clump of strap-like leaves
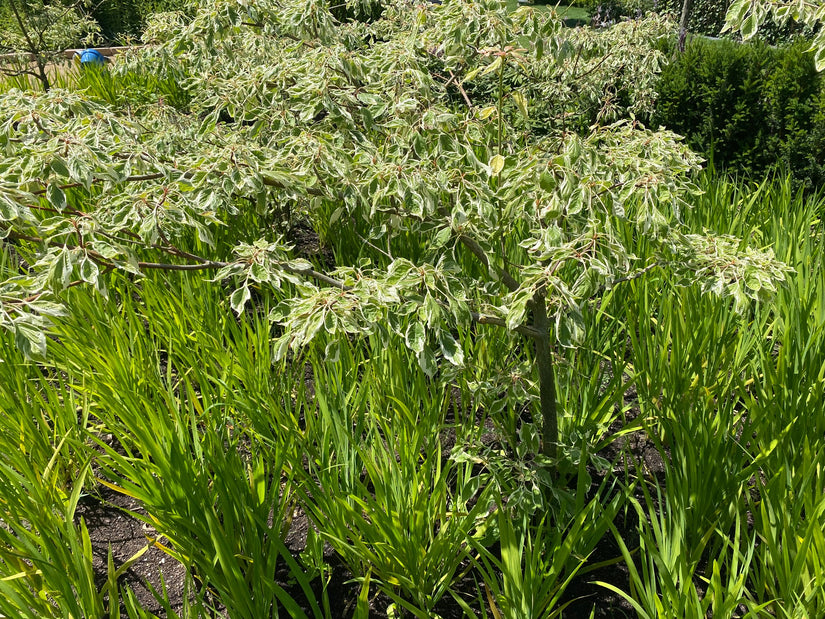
x,y
486,132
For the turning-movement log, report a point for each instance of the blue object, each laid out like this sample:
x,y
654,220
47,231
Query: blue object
x,y
92,57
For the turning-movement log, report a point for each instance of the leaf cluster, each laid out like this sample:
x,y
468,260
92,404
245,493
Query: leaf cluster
x,y
486,132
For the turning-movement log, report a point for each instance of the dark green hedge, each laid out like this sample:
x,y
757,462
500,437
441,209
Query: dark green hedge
x,y
751,108
123,18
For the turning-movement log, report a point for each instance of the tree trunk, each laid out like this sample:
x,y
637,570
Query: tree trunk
x,y
34,49
687,7
547,379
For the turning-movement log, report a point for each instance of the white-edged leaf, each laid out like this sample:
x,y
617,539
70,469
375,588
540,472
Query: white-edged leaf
x,y
749,26
496,164
415,337
8,208
56,196
239,298
332,351
570,328
59,167
60,271
441,237
426,359
89,270
450,348
30,340
280,347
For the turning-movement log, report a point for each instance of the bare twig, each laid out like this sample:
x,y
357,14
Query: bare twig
x,y
462,91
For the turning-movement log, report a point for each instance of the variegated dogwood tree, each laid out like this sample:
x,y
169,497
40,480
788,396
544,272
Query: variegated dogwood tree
x,y
489,133
747,16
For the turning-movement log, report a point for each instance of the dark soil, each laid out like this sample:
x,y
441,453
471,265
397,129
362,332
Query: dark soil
x,y
111,526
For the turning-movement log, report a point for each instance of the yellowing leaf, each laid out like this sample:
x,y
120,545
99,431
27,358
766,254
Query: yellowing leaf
x,y
486,112
521,102
496,164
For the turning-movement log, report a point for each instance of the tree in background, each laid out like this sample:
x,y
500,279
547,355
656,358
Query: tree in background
x,y
34,34
121,20
748,16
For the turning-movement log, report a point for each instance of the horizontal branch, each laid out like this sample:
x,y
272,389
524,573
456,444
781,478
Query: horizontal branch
x,y
198,263
627,278
500,322
171,266
312,273
137,178
129,179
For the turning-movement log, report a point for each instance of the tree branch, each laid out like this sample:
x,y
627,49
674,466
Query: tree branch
x,y
627,278
500,322
506,278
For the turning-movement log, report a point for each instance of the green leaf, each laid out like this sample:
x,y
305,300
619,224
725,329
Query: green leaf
x,y
59,167
89,270
30,340
753,282
415,337
570,328
521,102
258,272
430,311
8,208
547,182
80,172
332,351
486,112
426,359
472,75
313,325
280,347
239,298
441,237
819,58
493,66
516,311
736,13
450,348
749,26
56,196
60,270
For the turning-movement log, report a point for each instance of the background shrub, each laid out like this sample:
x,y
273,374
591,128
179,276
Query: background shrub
x,y
707,16
750,107
124,18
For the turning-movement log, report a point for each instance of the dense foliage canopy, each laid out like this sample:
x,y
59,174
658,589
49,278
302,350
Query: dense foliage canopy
x,y
432,216
488,132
